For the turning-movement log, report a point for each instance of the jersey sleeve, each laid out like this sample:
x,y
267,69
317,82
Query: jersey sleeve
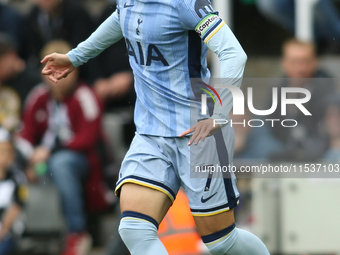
x,y
233,60
200,15
194,12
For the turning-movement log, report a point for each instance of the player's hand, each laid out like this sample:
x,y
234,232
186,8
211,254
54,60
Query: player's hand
x,y
201,130
57,66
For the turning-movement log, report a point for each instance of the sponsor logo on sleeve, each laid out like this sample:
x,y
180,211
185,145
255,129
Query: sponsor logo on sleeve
x,y
203,7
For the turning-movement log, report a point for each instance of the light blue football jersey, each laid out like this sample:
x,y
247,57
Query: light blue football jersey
x,y
165,52
166,42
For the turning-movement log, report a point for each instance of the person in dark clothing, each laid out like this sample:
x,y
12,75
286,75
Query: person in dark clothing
x,y
115,85
61,130
331,118
14,72
301,70
326,16
54,19
11,23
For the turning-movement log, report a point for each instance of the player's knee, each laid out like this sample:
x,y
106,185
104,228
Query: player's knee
x,y
220,242
136,228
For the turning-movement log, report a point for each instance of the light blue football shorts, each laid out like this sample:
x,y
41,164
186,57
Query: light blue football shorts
x,y
167,163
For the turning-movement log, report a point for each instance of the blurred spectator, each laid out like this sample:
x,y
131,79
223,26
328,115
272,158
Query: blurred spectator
x,y
11,23
14,73
301,69
253,142
326,15
115,87
57,19
9,108
280,11
13,194
62,126
299,60
332,125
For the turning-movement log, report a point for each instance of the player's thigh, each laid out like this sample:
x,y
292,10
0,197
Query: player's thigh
x,y
151,202
207,225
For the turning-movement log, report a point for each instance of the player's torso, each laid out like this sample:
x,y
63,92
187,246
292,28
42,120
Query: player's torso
x,y
156,40
164,55
152,30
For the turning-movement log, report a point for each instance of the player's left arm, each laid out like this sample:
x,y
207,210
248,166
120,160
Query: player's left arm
x,y
221,40
233,60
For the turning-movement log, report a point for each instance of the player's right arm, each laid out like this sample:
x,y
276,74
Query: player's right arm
x,y
59,66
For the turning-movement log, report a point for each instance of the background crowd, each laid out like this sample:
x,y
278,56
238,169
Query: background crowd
x,y
72,135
